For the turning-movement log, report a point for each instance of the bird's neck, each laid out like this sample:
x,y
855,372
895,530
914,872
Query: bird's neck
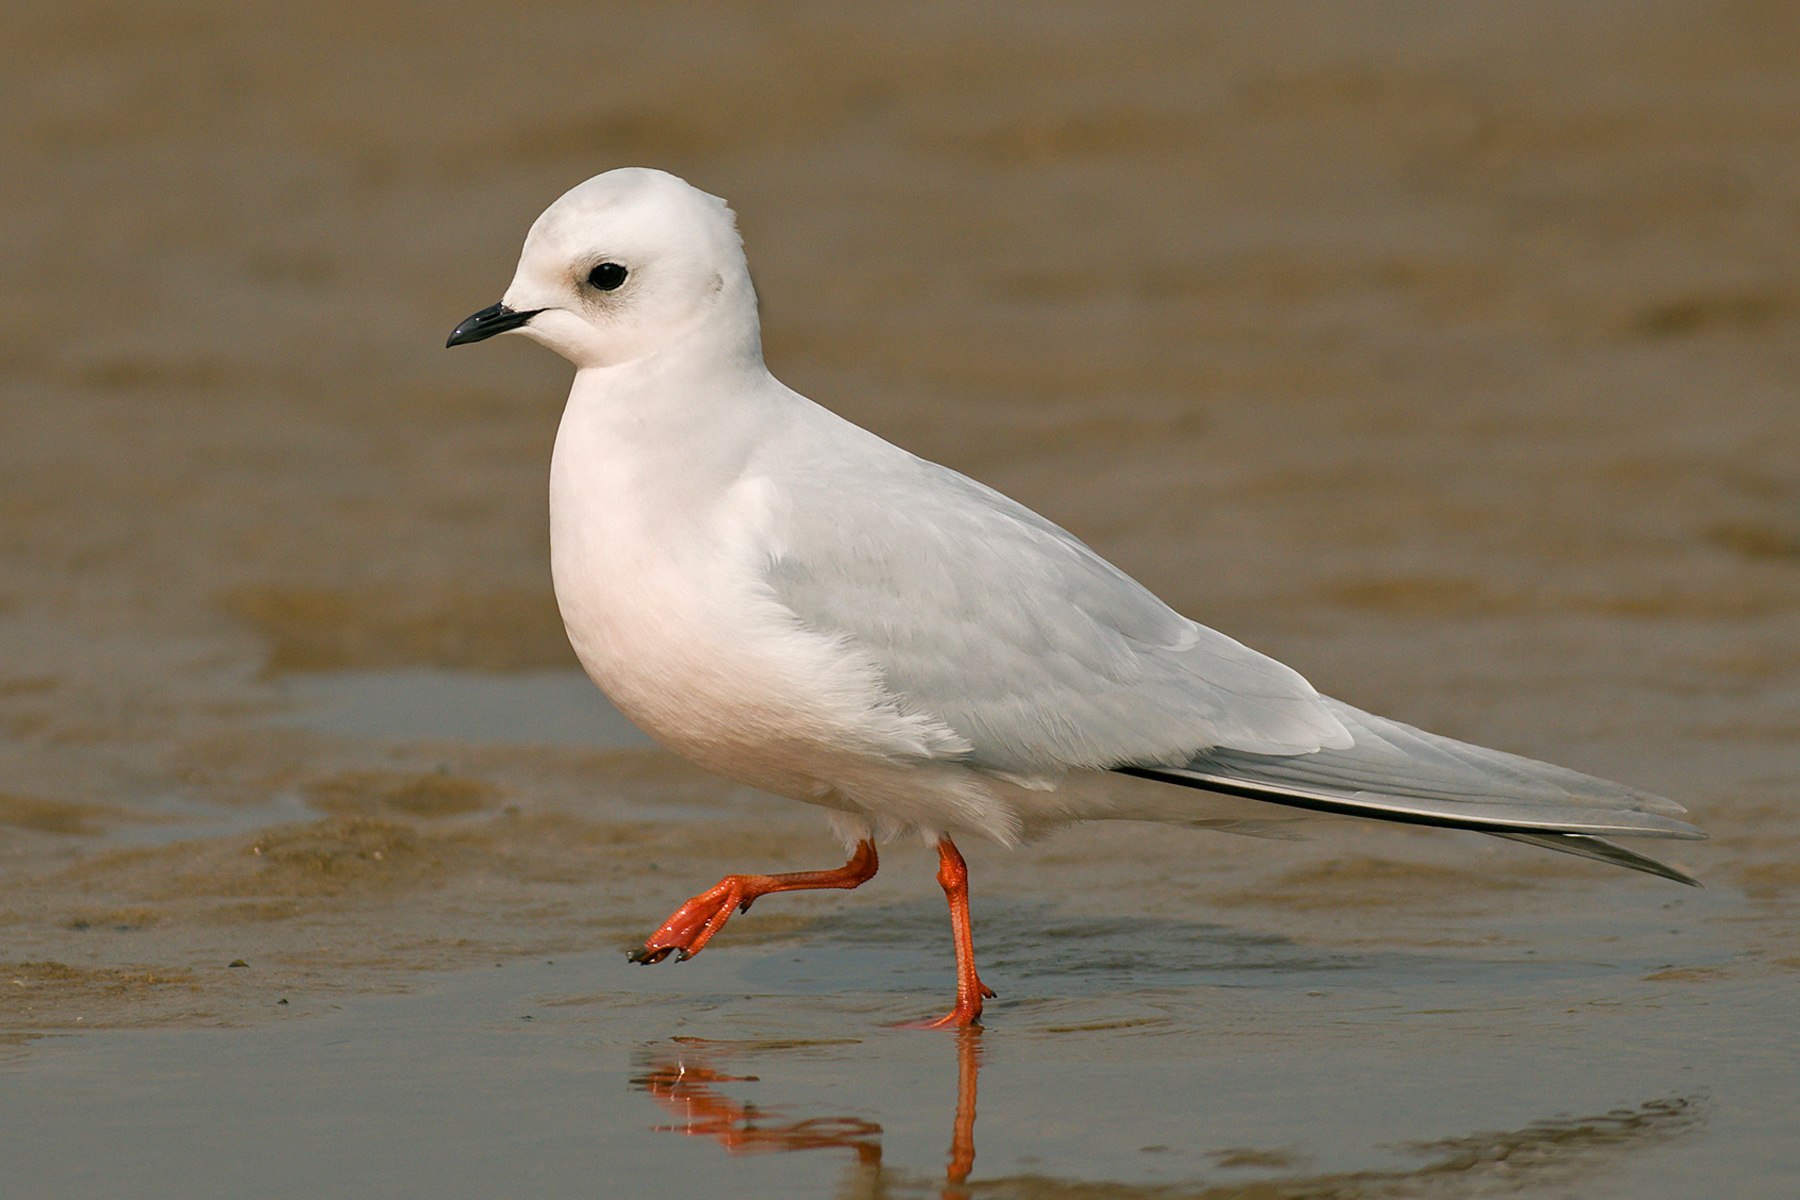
x,y
701,390
668,431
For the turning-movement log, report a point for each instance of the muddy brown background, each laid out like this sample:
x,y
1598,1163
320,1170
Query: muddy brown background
x,y
1445,352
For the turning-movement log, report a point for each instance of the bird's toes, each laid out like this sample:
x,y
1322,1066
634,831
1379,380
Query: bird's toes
x,y
646,955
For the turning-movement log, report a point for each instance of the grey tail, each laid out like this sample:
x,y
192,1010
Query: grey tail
x,y
1582,845
1394,772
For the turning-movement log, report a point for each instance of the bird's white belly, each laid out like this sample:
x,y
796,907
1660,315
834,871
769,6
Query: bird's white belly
x,y
690,645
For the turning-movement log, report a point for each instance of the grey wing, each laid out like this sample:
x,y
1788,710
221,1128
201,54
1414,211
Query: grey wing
x,y
1397,773
1003,626
1044,657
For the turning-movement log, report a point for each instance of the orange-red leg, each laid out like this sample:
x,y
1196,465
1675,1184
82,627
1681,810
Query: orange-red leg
x,y
953,877
691,926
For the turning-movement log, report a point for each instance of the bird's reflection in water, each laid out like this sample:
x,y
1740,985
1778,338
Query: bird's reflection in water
x,y
685,1083
687,1090
1558,1152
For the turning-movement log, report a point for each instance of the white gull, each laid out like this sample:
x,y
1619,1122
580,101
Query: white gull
x,y
794,603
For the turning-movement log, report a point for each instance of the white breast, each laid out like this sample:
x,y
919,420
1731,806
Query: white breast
x,y
659,562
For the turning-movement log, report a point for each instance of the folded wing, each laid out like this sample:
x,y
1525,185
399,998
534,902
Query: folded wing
x,y
1074,665
1077,666
1395,772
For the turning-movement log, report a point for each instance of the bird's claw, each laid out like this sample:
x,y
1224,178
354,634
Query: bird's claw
x,y
956,1018
649,955
966,1014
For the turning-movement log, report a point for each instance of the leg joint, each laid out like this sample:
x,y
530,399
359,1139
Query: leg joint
x,y
953,872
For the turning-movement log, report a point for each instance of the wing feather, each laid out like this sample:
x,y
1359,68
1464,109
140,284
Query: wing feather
x,y
1076,665
1398,773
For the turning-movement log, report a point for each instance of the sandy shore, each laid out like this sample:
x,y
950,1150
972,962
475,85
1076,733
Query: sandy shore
x,y
1448,355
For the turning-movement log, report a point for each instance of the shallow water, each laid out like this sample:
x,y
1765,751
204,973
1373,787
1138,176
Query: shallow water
x,y
1410,1015
1446,355
538,707
1250,1071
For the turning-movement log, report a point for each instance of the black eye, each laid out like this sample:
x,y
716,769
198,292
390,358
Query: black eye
x,y
606,276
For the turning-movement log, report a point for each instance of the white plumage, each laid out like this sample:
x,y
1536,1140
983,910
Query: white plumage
x,y
793,602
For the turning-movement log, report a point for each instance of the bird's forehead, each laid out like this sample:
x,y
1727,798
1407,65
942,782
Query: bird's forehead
x,y
632,203
576,221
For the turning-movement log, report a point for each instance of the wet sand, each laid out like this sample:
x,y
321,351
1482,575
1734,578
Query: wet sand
x,y
1447,355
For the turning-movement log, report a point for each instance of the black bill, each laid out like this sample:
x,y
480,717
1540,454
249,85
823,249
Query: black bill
x,y
495,318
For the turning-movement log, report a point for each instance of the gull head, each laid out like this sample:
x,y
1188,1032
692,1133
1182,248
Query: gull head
x,y
632,263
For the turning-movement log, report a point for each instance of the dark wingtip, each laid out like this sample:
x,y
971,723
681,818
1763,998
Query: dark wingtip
x,y
1601,850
